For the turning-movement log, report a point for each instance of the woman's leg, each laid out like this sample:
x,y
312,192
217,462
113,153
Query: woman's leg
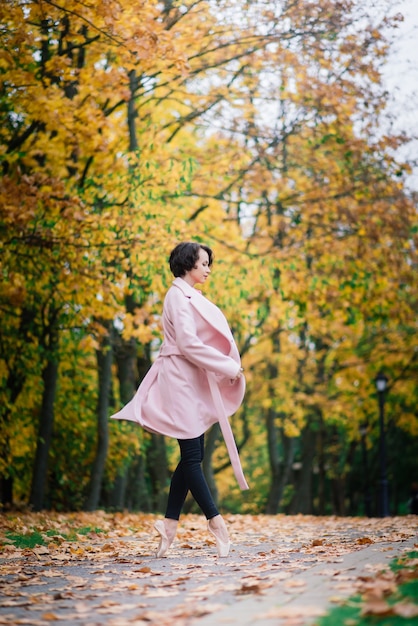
x,y
176,497
177,494
189,476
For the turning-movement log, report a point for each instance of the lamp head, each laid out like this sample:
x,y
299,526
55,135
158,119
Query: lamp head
x,y
381,382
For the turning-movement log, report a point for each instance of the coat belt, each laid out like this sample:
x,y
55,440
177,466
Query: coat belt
x,y
169,351
227,432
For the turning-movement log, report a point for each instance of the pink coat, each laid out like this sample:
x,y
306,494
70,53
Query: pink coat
x,y
189,387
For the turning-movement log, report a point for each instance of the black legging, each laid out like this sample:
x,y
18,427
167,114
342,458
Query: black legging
x,y
188,475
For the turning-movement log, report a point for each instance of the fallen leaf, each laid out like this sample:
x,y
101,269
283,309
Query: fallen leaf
x,y
293,612
294,582
405,609
362,541
376,607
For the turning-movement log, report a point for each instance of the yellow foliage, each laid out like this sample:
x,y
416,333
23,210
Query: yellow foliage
x,y
126,128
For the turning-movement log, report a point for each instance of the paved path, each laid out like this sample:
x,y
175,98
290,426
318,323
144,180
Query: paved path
x,y
271,576
309,593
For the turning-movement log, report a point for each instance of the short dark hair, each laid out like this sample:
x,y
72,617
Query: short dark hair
x,y
184,257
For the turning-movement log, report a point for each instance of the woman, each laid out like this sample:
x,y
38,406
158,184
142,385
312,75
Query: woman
x,y
195,381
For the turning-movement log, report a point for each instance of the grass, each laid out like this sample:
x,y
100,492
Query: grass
x,y
36,538
350,613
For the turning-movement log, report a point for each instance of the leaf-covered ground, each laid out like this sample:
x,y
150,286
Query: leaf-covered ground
x,y
95,569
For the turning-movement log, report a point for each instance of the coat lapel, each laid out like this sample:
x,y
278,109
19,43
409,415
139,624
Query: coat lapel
x,y
209,311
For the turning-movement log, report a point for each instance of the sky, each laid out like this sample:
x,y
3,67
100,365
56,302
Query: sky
x,y
401,78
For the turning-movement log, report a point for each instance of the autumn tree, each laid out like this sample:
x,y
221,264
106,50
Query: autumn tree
x,y
66,184
326,201
311,179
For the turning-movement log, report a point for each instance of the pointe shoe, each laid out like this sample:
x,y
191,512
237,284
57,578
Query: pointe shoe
x,y
165,541
222,546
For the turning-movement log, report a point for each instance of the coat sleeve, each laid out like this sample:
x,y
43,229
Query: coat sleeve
x,y
179,315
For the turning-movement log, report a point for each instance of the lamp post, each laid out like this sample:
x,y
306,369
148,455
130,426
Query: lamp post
x,y
366,484
381,383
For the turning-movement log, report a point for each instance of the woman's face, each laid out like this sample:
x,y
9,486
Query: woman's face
x,y
201,270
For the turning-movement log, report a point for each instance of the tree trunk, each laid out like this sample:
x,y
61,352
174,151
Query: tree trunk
x,y
46,423
302,500
338,495
339,482
131,368
126,361
116,496
272,434
6,486
321,468
274,458
104,362
137,497
281,471
158,471
15,382
6,478
15,385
